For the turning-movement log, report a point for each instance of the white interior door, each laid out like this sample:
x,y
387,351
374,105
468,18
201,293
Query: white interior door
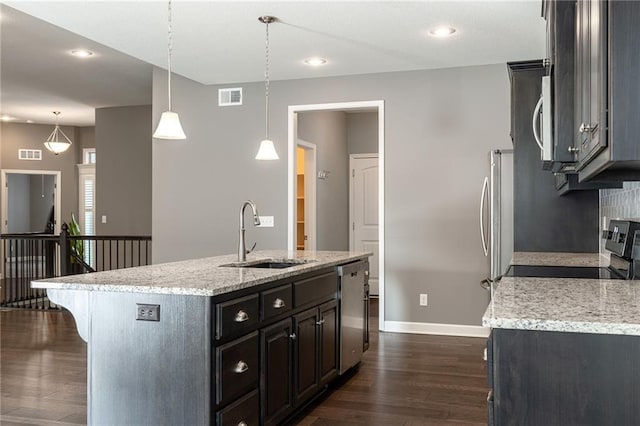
x,y
363,212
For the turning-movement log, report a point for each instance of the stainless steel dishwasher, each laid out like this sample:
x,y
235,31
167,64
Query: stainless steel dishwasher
x,y
352,313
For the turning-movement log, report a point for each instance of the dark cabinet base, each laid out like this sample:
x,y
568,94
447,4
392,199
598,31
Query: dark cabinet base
x,y
551,378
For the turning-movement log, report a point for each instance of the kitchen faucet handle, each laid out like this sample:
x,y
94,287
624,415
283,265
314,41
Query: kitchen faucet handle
x,y
253,247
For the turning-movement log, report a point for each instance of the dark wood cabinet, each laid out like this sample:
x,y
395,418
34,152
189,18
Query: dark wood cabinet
x,y
328,337
556,378
277,358
306,354
606,128
590,43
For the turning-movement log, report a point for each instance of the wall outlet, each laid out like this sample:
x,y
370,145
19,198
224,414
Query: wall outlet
x,y
104,218
148,312
424,300
266,222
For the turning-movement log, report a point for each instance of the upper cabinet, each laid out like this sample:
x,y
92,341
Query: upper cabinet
x,y
606,142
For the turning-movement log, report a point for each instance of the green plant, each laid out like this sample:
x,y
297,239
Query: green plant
x,y
77,246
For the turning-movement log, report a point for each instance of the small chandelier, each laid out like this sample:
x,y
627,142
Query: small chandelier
x,y
169,126
267,151
55,143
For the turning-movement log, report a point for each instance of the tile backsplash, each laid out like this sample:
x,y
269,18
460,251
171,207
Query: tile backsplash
x,y
623,203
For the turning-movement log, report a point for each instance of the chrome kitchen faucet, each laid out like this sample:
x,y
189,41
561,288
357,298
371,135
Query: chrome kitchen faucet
x,y
242,246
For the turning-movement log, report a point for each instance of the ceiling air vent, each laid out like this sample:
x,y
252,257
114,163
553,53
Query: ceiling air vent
x,y
227,97
30,154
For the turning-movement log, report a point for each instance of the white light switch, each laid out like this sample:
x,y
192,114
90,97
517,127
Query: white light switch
x,y
266,222
104,218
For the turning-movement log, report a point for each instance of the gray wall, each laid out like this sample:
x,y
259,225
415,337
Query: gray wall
x,y
16,136
362,132
328,130
40,206
18,204
440,125
123,170
86,137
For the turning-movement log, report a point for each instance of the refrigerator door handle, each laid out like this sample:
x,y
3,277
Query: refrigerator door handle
x,y
485,188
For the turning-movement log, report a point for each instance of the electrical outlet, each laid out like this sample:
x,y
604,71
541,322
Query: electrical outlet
x,y
148,312
266,222
424,301
104,218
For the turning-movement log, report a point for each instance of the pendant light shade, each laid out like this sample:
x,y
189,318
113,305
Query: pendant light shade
x,y
267,150
169,126
57,141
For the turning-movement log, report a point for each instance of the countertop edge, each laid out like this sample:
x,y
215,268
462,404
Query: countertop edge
x,y
562,326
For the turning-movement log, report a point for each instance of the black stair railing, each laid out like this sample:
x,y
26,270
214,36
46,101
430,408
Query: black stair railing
x,y
33,256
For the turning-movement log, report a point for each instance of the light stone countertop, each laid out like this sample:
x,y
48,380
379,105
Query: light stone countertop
x,y
200,277
566,305
560,259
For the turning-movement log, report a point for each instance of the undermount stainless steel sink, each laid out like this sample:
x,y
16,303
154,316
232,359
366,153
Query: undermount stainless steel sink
x,y
269,263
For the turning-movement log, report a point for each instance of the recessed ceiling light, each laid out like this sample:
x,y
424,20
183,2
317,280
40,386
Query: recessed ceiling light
x,y
5,117
442,31
82,53
315,62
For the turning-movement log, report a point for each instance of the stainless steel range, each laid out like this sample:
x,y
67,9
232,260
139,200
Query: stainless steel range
x,y
622,240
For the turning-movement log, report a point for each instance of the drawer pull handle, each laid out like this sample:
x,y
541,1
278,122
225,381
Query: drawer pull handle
x,y
278,303
484,355
241,367
241,316
320,322
242,423
292,336
490,396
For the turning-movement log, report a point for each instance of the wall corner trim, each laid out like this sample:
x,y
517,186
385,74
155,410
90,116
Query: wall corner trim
x,y
436,329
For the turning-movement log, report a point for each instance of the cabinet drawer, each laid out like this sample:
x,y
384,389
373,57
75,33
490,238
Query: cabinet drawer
x,y
237,368
316,289
244,411
236,315
276,301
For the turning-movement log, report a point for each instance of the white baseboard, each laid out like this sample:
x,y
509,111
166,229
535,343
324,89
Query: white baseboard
x,y
437,329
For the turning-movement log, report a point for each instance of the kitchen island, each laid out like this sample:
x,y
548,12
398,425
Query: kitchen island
x,y
564,351
210,341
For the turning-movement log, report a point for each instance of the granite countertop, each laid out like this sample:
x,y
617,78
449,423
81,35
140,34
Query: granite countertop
x,y
560,259
200,277
571,305
566,304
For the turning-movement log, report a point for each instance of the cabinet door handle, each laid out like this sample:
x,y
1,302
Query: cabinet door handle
x,y
573,149
292,336
490,396
241,367
484,354
242,423
320,322
278,303
241,316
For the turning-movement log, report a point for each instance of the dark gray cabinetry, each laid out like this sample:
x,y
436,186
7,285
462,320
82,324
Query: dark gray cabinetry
x,y
544,220
607,131
553,378
560,19
277,358
277,343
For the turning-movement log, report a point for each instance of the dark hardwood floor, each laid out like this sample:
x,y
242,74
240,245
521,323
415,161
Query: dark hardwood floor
x,y
404,379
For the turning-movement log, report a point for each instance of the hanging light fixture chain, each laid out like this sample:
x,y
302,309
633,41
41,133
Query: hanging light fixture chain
x,y
169,48
266,79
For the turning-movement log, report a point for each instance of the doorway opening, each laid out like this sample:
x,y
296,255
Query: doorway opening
x,y
305,195
327,175
31,201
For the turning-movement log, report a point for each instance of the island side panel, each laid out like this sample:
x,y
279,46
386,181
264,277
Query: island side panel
x,y
149,372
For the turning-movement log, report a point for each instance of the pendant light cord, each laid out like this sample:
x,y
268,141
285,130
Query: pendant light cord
x,y
266,81
169,48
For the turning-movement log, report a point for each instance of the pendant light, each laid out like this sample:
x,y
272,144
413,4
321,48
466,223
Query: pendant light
x,y
169,126
267,151
55,143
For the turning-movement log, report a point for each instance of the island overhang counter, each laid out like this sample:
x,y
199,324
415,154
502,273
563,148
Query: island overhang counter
x,y
209,341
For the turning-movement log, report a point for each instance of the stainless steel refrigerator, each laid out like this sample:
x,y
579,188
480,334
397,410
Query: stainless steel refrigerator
x,y
496,214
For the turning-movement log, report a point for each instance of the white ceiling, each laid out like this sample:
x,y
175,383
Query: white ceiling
x,y
223,42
